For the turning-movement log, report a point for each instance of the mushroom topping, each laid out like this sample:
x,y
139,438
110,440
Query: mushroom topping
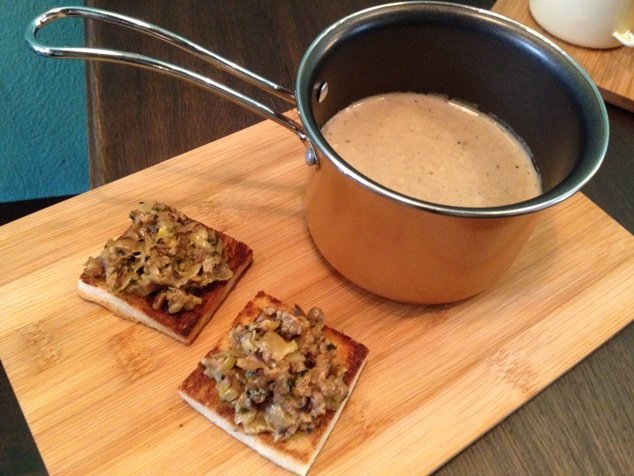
x,y
280,373
164,255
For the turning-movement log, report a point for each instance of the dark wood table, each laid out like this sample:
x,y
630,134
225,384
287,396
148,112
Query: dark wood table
x,y
582,424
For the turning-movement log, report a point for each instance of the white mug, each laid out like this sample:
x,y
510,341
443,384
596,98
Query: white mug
x,y
587,23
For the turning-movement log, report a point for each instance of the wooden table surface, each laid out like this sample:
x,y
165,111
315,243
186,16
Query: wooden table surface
x,y
581,424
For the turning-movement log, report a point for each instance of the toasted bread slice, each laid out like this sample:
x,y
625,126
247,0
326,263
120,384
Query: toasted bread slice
x,y
184,325
297,453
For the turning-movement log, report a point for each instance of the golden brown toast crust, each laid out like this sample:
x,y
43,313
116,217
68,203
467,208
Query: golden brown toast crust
x,y
187,324
299,447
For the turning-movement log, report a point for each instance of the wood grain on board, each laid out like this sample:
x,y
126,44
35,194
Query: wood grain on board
x,y
100,393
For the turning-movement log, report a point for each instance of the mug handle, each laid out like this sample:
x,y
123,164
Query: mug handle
x,y
626,38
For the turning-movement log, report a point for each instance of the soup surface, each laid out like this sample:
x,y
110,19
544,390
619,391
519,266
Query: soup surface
x,y
435,149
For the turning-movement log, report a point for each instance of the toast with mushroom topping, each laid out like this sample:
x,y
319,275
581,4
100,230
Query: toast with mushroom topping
x,y
277,381
166,271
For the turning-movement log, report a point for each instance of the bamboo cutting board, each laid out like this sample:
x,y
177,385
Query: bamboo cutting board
x,y
611,69
100,393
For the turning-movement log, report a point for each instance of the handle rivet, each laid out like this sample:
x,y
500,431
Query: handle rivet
x,y
322,92
311,157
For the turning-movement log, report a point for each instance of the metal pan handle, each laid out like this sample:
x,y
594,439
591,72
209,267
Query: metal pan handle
x,y
115,56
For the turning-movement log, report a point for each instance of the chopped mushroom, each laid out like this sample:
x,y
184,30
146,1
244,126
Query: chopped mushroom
x,y
164,254
280,375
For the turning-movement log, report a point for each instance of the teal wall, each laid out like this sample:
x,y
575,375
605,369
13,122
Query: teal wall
x,y
43,136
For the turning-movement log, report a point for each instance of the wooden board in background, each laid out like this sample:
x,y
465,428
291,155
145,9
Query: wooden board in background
x,y
612,69
100,393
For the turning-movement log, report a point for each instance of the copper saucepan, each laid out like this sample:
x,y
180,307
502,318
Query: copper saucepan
x,y
390,244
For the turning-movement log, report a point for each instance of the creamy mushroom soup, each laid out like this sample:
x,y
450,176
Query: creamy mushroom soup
x,y
435,149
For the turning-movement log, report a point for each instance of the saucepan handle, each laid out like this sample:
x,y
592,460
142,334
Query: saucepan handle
x,y
115,56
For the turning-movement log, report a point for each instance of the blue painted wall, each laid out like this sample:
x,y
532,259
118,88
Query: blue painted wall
x,y
43,136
